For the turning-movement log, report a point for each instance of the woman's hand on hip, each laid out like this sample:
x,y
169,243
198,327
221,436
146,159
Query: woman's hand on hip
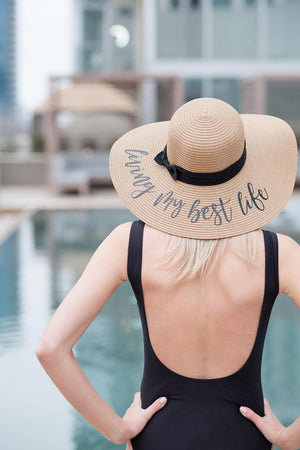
x,y
136,417
269,425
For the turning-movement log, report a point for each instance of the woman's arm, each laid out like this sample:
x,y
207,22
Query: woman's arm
x,y
105,271
289,267
286,438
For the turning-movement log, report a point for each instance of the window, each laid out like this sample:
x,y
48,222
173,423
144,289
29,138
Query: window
x,y
221,2
195,3
174,4
125,12
228,90
193,89
92,25
179,31
235,32
282,100
92,60
284,30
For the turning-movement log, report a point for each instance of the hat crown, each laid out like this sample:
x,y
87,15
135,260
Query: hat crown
x,y
206,135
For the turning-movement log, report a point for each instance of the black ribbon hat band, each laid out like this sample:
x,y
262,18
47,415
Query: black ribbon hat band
x,y
201,178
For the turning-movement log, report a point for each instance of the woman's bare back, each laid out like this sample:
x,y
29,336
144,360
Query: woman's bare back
x,y
206,333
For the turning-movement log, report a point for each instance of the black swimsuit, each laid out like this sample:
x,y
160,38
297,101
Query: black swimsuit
x,y
202,414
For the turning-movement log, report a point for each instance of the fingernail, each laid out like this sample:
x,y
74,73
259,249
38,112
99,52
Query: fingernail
x,y
163,400
243,410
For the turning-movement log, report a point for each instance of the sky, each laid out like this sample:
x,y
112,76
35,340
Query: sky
x,y
45,46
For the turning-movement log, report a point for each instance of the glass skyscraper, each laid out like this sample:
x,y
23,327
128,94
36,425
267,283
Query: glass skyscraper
x,y
7,57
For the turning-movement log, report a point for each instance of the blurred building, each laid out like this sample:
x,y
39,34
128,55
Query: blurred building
x,y
242,51
7,64
7,54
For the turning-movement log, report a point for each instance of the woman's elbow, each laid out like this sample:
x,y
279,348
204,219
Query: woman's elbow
x,y
46,350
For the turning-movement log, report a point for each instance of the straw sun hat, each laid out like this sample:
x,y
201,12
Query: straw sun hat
x,y
207,173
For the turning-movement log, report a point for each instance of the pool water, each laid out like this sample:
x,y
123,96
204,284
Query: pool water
x,y
39,264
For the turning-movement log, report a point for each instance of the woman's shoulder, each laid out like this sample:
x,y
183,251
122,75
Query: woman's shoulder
x,y
287,244
289,267
124,229
121,231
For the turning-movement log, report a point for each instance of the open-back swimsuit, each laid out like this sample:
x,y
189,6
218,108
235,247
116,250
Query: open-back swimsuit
x,y
202,413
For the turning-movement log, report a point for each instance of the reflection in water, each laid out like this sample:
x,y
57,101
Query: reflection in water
x,y
9,305
39,264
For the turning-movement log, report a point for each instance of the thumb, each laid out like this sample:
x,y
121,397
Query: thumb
x,y
255,418
156,406
268,424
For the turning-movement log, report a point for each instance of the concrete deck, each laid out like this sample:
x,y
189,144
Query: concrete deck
x,y
20,198
19,202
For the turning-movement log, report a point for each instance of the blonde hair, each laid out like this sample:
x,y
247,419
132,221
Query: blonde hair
x,y
199,257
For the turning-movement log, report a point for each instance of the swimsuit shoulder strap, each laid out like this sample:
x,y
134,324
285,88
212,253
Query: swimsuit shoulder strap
x,y
134,262
271,287
253,364
271,267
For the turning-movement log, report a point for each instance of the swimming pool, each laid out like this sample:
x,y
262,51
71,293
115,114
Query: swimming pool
x,y
39,264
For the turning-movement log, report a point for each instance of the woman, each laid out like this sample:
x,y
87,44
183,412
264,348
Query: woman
x,y
205,276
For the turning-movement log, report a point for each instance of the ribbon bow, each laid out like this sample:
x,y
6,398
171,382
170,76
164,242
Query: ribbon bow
x,y
162,160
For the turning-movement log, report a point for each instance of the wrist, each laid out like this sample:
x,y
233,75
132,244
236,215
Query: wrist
x,y
126,433
121,434
285,438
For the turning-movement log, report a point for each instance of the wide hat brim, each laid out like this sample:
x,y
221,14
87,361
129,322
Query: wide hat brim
x,y
249,200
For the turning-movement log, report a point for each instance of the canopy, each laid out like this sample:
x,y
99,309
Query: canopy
x,y
88,97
